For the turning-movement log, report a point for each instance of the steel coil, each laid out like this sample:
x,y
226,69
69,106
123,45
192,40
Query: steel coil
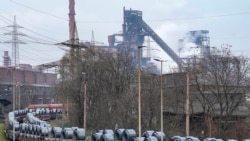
x,y
30,131
177,138
128,135
118,134
107,137
12,122
191,138
23,127
108,131
74,128
148,133
56,132
96,136
44,131
159,135
79,133
139,139
99,131
67,133
35,129
38,130
209,139
151,138
30,117
27,128
15,125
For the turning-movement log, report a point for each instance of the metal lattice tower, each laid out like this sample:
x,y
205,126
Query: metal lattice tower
x,y
15,42
202,40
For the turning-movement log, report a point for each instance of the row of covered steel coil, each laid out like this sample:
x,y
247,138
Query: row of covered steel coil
x,y
30,125
68,133
127,135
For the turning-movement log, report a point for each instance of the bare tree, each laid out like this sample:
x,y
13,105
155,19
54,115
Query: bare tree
x,y
151,101
174,105
221,82
29,94
110,95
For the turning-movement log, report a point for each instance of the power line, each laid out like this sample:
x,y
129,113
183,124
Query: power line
x,y
170,19
176,19
26,55
232,37
20,4
28,23
5,20
202,17
35,52
41,35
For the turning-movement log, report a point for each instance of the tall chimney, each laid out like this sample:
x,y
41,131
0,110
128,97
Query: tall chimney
x,y
6,59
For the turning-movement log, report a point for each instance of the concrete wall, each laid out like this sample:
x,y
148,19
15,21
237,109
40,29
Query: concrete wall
x,y
31,87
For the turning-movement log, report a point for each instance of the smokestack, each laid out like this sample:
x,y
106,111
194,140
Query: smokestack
x,y
6,59
180,45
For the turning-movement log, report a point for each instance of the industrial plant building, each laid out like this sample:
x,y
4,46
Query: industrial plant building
x,y
28,85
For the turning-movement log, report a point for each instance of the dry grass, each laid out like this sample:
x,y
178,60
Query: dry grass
x,y
2,136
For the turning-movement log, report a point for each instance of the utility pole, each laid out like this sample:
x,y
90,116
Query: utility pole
x,y
84,102
85,105
187,105
92,45
139,93
13,97
18,95
161,109
139,90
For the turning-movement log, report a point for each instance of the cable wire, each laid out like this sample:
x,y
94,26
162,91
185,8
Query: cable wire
x,y
171,19
20,4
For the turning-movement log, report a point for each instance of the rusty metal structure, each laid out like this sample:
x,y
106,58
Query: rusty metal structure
x,y
134,30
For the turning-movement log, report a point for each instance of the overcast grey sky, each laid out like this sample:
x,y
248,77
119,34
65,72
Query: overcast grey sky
x,y
46,21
